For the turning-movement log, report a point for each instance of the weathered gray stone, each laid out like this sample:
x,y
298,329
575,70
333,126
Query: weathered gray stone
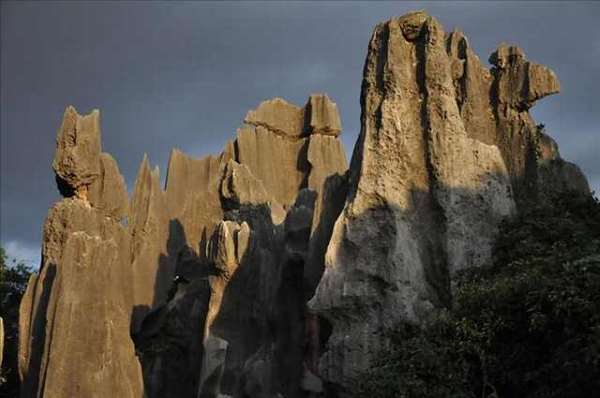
x,y
169,343
213,365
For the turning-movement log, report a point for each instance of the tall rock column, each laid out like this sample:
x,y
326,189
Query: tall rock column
x,y
75,315
424,198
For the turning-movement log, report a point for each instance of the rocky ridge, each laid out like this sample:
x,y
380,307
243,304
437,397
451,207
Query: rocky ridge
x,y
271,270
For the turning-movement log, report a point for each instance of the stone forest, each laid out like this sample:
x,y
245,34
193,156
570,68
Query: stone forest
x,y
277,268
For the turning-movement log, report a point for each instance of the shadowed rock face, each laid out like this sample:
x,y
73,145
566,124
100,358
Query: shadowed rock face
x,y
200,288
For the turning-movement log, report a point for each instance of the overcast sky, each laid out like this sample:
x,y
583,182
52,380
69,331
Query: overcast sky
x,y
184,75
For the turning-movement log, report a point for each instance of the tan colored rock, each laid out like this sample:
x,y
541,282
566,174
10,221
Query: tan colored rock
x,y
324,115
326,157
242,240
109,192
153,269
185,176
104,350
327,208
274,160
520,83
472,83
80,299
240,187
278,116
193,198
224,252
78,147
541,82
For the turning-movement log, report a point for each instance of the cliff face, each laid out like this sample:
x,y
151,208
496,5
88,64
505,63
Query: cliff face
x,y
200,289
447,149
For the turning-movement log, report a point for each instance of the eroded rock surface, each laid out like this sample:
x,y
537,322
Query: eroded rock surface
x,y
203,271
78,147
446,151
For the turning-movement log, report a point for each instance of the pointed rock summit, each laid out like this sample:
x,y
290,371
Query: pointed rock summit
x,y
272,269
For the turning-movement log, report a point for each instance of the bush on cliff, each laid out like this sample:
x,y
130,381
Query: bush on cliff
x,y
526,326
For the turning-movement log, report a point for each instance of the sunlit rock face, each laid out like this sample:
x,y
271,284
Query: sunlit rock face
x,y
75,315
271,269
447,149
197,289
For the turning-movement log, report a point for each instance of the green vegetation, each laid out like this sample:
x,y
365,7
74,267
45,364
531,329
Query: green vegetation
x,y
13,281
526,326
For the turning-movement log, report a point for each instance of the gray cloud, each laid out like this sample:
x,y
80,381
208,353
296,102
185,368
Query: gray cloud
x,y
184,75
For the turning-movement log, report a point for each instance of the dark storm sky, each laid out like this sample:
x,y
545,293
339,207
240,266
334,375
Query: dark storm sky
x,y
184,75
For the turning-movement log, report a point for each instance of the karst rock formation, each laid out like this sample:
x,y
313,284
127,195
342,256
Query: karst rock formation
x,y
273,269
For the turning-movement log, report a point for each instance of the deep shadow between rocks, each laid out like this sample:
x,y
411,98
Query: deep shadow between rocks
x,y
169,342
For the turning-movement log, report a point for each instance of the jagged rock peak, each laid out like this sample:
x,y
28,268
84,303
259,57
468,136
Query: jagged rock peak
x,y
319,116
279,116
324,115
77,158
83,170
520,82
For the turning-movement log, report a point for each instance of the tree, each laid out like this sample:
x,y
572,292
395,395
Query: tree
x,y
14,275
527,325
